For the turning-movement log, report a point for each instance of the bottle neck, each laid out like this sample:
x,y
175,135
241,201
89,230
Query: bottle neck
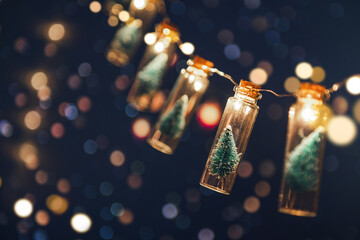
x,y
247,94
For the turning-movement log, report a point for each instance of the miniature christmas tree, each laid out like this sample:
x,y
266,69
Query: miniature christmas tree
x,y
302,168
224,158
173,122
129,35
150,76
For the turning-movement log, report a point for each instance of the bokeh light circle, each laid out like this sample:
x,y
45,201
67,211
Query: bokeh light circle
x,y
258,76
23,208
341,130
81,222
304,70
251,204
292,84
353,84
56,32
209,114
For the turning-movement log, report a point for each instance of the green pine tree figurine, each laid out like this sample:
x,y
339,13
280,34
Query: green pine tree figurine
x,y
149,77
224,158
129,35
173,122
302,168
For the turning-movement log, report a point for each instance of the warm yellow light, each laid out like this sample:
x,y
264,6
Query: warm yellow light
x,y
150,38
56,32
140,4
159,47
124,16
318,74
23,208
95,6
27,149
309,115
39,80
258,76
341,130
32,120
304,70
197,86
356,110
292,84
113,21
57,204
187,48
353,85
117,158
81,222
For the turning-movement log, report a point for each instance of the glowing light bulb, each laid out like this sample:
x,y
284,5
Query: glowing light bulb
x,y
309,115
140,4
150,38
237,105
191,78
197,85
159,47
353,85
187,48
124,15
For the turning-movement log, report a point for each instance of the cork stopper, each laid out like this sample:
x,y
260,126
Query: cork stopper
x,y
167,29
312,90
249,89
201,63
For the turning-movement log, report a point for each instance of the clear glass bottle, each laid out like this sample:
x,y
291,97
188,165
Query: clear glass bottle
x,y
129,36
304,152
153,66
231,138
181,105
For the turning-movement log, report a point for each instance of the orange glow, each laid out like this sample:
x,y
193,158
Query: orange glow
x,y
84,104
39,80
63,186
209,115
44,93
57,204
251,204
42,218
57,130
127,217
117,158
95,6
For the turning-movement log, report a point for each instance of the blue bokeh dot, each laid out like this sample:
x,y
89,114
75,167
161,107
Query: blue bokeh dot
x,y
90,146
106,232
232,51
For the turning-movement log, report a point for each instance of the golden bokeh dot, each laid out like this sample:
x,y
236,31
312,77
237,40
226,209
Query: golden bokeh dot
x,y
124,16
32,120
342,130
81,222
27,149
141,128
356,110
292,84
95,6
31,161
262,189
57,204
127,217
353,84
318,74
251,204
39,80
258,76
44,93
113,21
56,32
117,158
158,101
23,208
42,218
304,70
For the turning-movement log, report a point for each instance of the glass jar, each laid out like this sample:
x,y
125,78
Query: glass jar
x,y
304,152
129,36
154,64
184,98
231,138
